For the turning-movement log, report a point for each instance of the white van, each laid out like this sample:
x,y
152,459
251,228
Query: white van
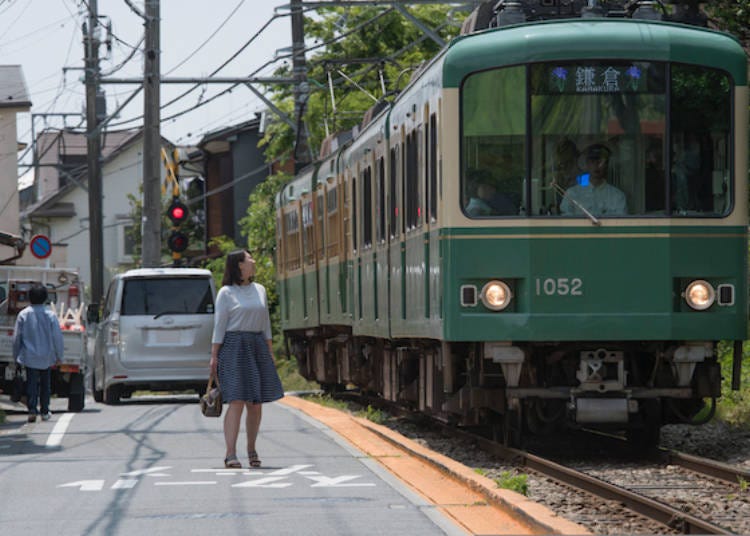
x,y
154,333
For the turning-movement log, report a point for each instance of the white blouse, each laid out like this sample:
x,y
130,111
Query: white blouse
x,y
241,308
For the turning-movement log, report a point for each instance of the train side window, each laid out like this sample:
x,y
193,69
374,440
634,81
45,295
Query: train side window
x,y
393,194
292,255
308,235
367,207
332,227
380,208
319,224
354,212
432,167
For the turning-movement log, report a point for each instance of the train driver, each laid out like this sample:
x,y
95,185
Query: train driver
x,y
598,196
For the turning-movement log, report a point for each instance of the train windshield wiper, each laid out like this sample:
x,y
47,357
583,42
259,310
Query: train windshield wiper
x,y
560,190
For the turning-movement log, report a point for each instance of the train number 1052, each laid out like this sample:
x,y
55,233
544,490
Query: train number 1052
x,y
559,286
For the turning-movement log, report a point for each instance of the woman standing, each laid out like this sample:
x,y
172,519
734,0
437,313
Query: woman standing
x,y
242,354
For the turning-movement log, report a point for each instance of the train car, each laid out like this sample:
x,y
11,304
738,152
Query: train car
x,y
546,228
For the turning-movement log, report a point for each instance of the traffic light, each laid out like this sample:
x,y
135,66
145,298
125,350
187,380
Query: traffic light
x,y
177,212
177,242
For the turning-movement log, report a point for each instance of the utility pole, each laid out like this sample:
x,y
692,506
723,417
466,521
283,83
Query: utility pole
x,y
302,155
151,224
93,145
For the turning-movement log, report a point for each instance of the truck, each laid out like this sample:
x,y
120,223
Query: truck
x,y
66,300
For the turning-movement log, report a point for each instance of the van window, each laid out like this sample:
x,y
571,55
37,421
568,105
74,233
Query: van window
x,y
174,295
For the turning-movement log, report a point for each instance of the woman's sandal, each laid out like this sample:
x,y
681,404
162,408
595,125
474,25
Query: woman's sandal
x,y
231,462
253,459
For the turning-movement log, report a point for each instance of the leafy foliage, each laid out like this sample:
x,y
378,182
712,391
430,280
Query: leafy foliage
x,y
732,16
734,406
392,47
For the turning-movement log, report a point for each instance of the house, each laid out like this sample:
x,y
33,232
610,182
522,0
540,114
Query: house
x,y
14,99
61,211
233,166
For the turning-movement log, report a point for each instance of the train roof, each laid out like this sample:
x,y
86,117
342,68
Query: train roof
x,y
593,39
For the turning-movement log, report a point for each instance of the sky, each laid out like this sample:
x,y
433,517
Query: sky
x,y
197,36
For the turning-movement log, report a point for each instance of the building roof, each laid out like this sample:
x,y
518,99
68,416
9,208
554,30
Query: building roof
x,y
217,140
13,92
51,205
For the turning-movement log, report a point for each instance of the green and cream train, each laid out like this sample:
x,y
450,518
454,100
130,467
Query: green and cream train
x,y
547,227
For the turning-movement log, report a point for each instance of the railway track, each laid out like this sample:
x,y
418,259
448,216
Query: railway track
x,y
667,490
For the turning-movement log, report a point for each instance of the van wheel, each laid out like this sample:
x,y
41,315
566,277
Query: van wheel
x,y
112,395
98,393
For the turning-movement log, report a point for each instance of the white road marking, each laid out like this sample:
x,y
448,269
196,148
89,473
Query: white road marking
x,y
268,482
85,485
56,436
289,470
124,484
193,483
337,481
225,472
140,472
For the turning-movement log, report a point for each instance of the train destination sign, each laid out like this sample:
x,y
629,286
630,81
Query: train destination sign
x,y
565,78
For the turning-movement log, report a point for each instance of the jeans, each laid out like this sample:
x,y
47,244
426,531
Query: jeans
x,y
38,389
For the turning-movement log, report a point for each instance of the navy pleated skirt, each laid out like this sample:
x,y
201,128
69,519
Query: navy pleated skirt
x,y
246,369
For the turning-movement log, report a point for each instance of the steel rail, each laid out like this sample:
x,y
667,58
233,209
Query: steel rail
x,y
657,511
705,466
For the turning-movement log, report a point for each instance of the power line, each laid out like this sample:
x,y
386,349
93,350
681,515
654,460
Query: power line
x,y
208,38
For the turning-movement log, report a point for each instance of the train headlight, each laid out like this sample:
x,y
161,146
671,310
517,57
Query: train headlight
x,y
700,295
496,295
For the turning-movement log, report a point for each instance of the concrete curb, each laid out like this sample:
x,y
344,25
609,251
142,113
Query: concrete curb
x,y
531,512
537,517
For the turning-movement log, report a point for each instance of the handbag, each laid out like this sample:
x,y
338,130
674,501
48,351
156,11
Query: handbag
x,y
211,402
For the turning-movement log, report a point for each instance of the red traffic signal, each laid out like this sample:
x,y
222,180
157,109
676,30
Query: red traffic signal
x,y
177,242
177,212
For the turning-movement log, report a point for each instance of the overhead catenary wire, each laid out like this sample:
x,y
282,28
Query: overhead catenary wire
x,y
270,62
224,22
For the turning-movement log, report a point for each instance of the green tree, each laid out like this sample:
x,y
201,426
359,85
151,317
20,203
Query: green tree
x,y
732,16
369,47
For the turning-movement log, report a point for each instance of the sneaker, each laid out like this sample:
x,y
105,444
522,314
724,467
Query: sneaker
x,y
46,416
32,418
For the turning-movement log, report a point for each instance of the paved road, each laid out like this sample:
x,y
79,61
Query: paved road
x,y
154,466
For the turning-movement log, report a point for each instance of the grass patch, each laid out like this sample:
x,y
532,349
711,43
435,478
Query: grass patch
x,y
734,406
513,482
290,377
480,471
325,400
371,414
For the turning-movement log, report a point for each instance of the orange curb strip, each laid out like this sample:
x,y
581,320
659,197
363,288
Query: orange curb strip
x,y
473,501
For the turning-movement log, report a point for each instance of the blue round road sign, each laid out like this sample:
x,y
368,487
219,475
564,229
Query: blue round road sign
x,y
40,246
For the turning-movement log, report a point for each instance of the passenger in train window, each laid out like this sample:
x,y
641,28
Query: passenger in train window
x,y
598,197
487,201
484,191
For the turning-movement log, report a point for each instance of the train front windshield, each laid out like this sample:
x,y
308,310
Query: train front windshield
x,y
597,138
